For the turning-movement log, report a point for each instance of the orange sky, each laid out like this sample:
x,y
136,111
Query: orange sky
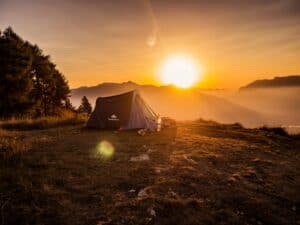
x,y
96,41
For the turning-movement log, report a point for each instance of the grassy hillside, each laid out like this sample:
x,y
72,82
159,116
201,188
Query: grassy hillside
x,y
199,173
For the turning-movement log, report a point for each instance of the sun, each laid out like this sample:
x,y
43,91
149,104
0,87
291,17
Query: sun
x,y
180,71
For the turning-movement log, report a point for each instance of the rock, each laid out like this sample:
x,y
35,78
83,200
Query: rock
x,y
157,170
151,150
131,191
142,193
142,132
172,193
142,157
152,212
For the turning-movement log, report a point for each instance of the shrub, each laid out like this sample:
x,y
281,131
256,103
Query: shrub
x,y
275,130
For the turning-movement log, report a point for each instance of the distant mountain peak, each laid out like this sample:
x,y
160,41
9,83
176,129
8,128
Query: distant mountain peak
x,y
276,82
130,82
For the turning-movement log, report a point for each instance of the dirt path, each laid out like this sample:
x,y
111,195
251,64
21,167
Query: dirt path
x,y
201,173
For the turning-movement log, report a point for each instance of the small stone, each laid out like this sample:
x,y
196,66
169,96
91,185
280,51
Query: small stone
x,y
157,170
172,193
152,212
142,157
142,132
150,150
142,193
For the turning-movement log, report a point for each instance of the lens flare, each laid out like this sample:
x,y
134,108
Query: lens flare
x,y
152,41
105,149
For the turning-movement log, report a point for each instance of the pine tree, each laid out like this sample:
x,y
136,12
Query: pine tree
x,y
30,83
50,86
15,74
85,106
68,105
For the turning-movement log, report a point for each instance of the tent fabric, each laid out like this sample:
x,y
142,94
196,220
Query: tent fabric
x,y
125,111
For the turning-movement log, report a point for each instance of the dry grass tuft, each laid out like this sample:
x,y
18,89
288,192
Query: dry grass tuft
x,y
11,144
43,123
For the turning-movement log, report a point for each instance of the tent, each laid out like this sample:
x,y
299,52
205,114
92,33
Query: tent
x,y
125,111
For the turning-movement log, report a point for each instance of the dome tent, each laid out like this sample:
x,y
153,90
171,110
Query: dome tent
x,y
125,111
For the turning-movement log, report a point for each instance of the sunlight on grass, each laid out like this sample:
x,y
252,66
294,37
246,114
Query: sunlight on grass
x,y
11,144
42,123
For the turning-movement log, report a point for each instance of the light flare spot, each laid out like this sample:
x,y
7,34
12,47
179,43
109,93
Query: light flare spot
x,y
105,149
152,40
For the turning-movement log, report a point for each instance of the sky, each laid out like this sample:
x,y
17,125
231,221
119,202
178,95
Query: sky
x,y
95,41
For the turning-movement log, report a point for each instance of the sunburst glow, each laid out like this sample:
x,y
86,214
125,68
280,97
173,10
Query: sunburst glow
x,y
180,71
105,149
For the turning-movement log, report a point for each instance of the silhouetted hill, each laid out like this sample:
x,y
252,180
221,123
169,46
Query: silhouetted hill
x,y
286,81
176,103
277,99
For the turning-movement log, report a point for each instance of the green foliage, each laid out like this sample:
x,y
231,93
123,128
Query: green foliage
x,y
30,84
85,106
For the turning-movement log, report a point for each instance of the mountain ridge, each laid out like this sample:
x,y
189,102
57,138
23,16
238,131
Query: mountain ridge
x,y
276,82
181,104
251,106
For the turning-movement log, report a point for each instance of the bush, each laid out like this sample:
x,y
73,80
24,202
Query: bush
x,y
275,130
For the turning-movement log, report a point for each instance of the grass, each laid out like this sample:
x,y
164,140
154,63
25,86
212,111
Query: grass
x,y
199,173
11,144
43,122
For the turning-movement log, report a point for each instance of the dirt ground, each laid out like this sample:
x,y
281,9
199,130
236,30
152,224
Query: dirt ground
x,y
199,173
